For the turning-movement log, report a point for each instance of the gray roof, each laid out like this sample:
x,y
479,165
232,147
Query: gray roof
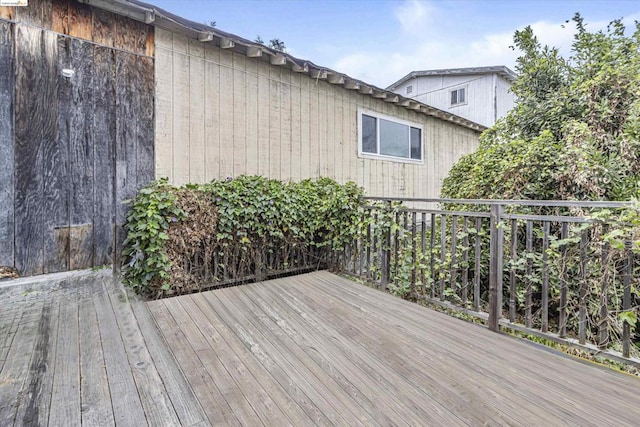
x,y
500,70
152,15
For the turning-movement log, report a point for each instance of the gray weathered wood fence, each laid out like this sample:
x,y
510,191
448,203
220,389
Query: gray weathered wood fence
x,y
546,268
71,148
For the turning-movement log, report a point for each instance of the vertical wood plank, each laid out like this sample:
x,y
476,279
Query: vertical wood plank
x,y
251,125
34,118
56,165
314,130
125,146
144,105
275,112
432,255
296,160
103,28
196,113
7,12
226,114
239,106
323,131
7,144
80,21
165,118
305,129
81,157
285,129
212,113
180,103
60,17
37,13
132,36
104,135
264,130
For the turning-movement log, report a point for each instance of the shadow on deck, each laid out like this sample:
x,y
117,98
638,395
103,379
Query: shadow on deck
x,y
303,350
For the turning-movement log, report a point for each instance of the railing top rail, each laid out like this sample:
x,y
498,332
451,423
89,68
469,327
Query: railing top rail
x,y
555,203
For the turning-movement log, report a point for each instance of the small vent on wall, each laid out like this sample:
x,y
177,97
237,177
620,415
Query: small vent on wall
x,y
409,89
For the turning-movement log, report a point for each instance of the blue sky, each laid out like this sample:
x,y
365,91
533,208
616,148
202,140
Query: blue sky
x,y
379,41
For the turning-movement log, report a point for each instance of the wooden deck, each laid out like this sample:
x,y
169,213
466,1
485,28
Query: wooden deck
x,y
75,350
320,349
304,350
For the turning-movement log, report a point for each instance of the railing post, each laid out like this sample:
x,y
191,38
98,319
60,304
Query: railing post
x,y
626,300
496,253
386,253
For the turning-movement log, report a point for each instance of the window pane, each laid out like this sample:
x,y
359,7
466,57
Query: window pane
x,y
369,139
454,97
394,139
461,95
416,144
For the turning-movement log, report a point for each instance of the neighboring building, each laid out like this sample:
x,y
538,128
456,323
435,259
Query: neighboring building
x,y
99,97
479,94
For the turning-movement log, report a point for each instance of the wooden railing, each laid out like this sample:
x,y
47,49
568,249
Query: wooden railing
x,y
546,268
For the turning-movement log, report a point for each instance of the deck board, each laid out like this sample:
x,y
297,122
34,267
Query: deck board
x,y
348,354
314,349
77,350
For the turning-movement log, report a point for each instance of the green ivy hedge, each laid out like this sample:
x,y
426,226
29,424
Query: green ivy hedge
x,y
188,238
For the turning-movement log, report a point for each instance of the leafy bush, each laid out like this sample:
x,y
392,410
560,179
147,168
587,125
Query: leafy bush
x,y
574,131
185,239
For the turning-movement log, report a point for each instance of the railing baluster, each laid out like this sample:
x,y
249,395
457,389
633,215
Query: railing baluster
x,y
512,270
496,254
465,262
562,317
423,242
582,293
545,277
626,300
453,272
603,324
432,260
528,272
476,267
443,253
413,252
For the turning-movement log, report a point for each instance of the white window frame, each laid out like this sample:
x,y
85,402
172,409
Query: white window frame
x,y
377,156
466,95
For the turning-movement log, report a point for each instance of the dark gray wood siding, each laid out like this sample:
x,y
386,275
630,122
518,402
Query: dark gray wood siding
x,y
71,149
6,144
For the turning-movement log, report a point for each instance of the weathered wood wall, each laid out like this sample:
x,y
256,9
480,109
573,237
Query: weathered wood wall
x,y
220,113
81,145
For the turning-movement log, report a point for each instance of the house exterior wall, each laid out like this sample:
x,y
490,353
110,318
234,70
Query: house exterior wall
x,y
488,96
505,99
220,113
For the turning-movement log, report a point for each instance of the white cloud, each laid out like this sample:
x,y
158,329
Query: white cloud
x,y
414,16
423,44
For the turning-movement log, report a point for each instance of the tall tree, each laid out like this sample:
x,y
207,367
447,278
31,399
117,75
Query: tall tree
x,y
574,132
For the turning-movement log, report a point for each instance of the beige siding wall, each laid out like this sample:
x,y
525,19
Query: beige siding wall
x,y
223,114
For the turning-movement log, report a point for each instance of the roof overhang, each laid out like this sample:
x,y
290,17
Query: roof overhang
x,y
152,15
